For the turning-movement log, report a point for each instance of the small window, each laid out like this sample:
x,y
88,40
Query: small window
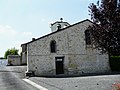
x,y
58,27
87,37
53,46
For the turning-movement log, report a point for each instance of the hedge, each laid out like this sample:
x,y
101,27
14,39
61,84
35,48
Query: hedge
x,y
114,63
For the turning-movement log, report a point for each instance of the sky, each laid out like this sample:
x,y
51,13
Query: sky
x,y
22,20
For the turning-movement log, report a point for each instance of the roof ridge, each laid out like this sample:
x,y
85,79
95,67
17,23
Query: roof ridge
x,y
57,31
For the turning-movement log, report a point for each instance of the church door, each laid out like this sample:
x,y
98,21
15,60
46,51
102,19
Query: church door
x,y
59,65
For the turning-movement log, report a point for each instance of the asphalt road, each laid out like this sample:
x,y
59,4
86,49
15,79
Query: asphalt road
x,y
11,78
102,82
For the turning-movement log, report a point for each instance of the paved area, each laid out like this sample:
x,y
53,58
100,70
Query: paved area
x,y
12,78
103,82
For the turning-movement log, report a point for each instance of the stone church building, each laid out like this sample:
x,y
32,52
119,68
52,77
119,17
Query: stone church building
x,y
67,50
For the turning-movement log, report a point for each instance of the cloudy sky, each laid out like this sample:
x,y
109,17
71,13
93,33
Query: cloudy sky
x,y
21,20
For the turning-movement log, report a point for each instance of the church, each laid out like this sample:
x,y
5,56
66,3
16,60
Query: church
x,y
66,51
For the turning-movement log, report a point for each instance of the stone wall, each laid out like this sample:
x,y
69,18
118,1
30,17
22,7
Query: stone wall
x,y
24,54
14,60
79,58
83,64
24,58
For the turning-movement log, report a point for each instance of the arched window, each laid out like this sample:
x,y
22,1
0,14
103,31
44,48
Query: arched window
x,y
58,27
53,46
87,37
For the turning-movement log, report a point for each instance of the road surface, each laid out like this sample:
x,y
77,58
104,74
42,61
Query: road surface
x,y
11,78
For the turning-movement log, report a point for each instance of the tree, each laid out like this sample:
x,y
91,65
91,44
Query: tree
x,y
11,51
105,31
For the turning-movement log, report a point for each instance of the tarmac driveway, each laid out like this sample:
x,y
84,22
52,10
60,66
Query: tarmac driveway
x,y
102,82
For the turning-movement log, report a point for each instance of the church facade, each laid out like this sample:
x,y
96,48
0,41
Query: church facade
x,y
68,50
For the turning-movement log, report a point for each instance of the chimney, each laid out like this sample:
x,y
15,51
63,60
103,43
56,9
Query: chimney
x,y
33,39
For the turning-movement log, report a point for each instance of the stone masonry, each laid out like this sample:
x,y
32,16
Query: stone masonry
x,y
77,57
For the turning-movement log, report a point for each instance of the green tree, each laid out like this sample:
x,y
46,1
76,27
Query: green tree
x,y
11,51
105,32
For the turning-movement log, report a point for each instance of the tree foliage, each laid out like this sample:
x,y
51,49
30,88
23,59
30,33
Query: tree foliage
x,y
11,51
105,31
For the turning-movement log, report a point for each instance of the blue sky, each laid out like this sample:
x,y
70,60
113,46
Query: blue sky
x,y
21,20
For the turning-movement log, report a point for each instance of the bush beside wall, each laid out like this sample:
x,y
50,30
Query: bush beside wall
x,y
114,63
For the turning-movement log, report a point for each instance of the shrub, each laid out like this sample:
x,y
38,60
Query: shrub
x,y
11,51
115,63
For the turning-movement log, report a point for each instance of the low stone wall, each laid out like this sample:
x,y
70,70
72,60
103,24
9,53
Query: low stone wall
x,y
14,60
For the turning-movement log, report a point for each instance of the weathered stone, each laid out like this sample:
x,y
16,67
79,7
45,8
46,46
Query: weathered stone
x,y
14,60
24,54
78,58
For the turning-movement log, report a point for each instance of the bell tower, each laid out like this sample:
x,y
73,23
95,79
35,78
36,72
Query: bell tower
x,y
58,25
